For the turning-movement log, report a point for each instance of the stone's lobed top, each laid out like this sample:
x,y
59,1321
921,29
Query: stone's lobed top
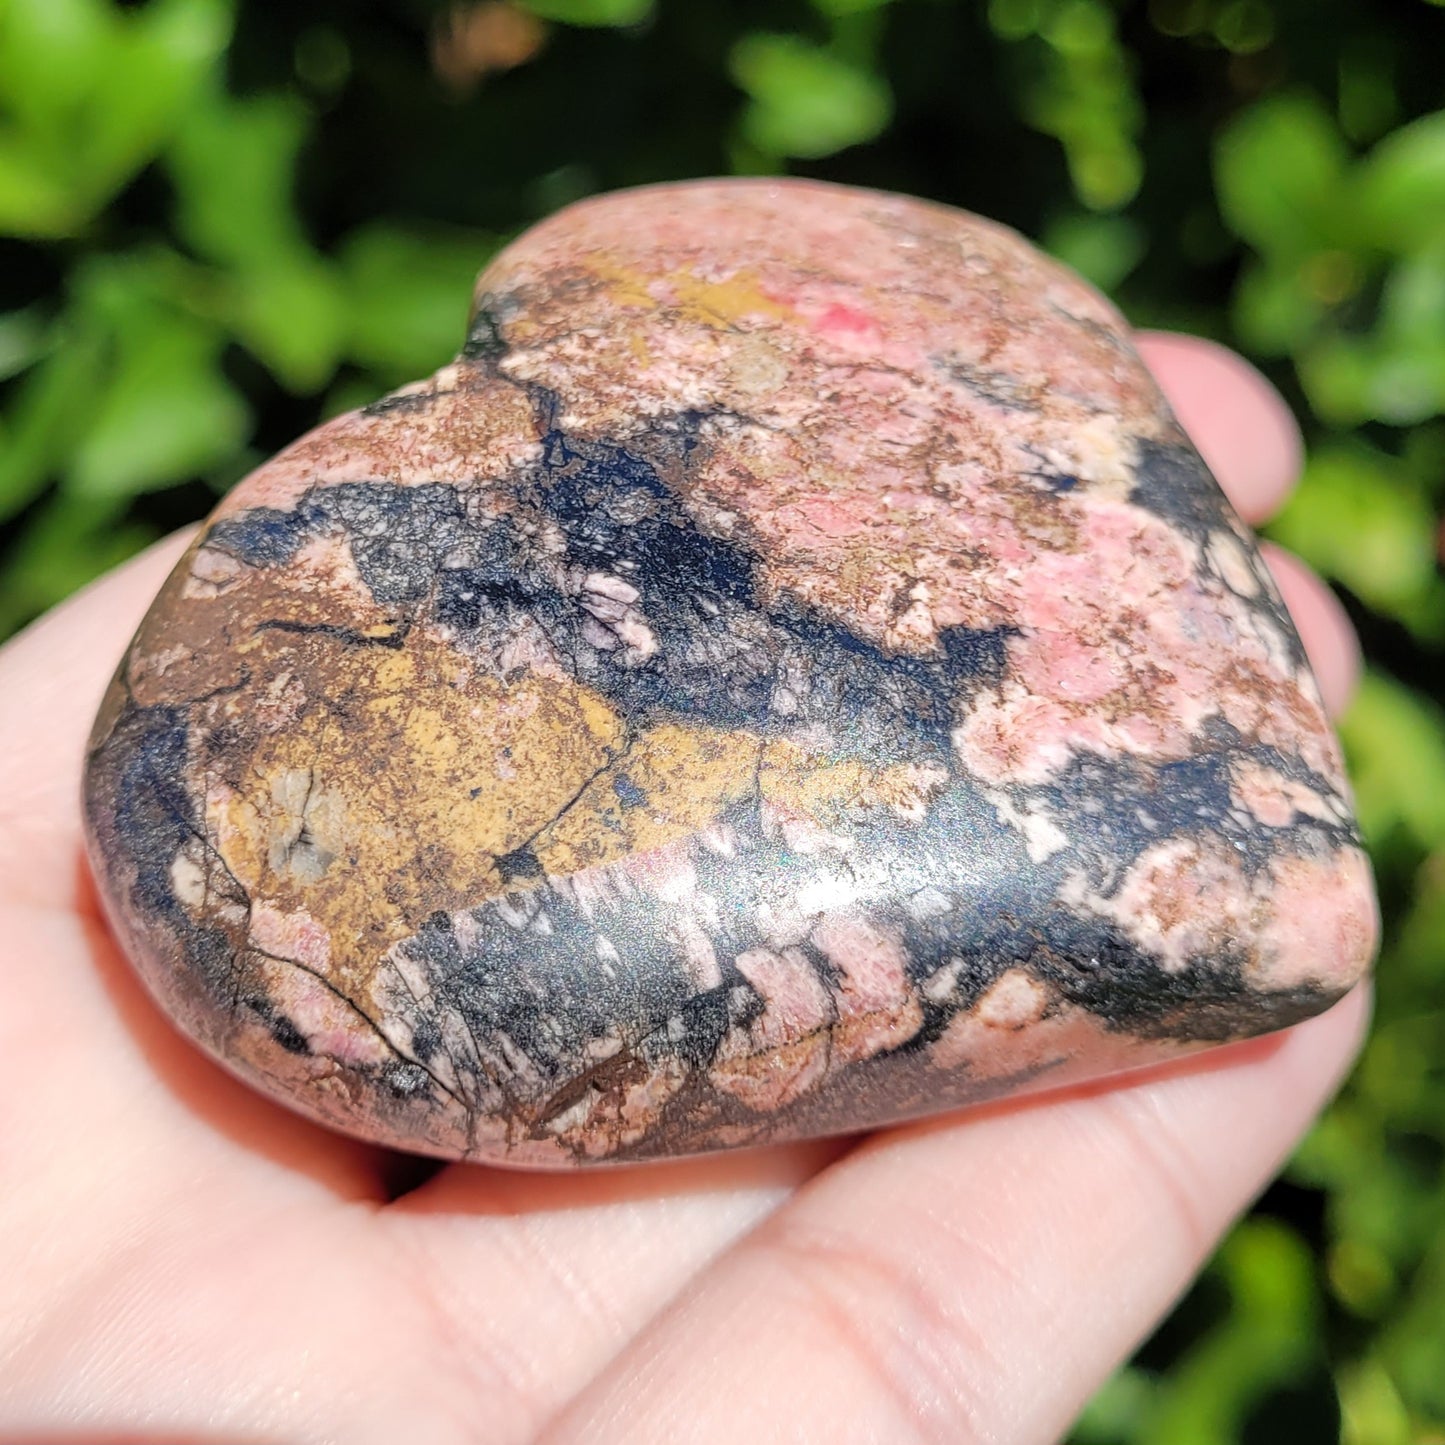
x,y
790,673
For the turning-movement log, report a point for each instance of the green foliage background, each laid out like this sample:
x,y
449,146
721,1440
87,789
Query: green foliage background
x,y
223,220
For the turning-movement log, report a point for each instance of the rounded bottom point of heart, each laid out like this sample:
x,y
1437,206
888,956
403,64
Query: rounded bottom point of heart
x,y
789,674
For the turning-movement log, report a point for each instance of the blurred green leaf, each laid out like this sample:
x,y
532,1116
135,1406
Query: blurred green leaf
x,y
235,176
1373,1413
1268,1339
1350,380
1359,517
1413,305
837,8
50,54
160,410
1394,373
293,316
805,101
1274,312
1118,1410
1396,745
234,167
24,339
91,94
49,410
1420,945
1104,249
152,65
1413,1343
590,12
70,543
407,296
1078,27
167,414
1244,26
1279,171
1081,92
1402,189
34,200
1016,19
1369,101
1361,1277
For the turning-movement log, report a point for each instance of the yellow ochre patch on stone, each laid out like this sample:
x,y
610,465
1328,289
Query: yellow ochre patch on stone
x,y
399,785
724,303
409,773
674,780
718,304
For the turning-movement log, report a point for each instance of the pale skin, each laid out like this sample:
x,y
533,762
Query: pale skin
x,y
183,1260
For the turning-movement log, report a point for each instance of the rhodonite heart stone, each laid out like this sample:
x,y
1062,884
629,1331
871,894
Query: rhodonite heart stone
x,y
789,674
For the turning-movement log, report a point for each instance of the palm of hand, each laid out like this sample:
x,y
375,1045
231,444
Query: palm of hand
x,y
183,1256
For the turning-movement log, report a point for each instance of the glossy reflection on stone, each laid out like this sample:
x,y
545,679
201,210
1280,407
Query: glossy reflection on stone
x,y
789,674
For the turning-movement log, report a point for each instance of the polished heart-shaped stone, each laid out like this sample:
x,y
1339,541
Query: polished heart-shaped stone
x,y
791,673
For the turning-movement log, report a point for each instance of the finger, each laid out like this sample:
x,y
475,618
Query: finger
x,y
596,1297
97,1084
1329,638
973,1280
539,1281
111,1089
1246,434
527,1272
269,1321
52,677
612,1290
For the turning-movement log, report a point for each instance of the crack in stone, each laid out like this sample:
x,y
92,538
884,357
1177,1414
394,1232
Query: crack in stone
x,y
361,1013
348,635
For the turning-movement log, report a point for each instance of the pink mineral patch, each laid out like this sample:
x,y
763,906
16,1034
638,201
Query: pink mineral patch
x,y
877,1007
1317,931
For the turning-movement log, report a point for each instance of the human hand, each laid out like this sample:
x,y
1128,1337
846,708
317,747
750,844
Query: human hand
x,y
184,1258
